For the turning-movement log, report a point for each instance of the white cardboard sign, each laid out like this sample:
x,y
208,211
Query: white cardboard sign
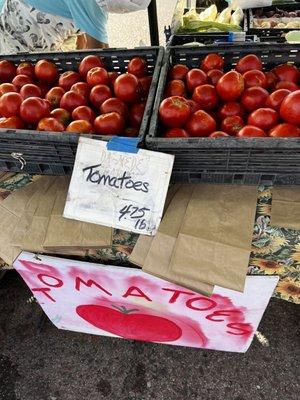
x,y
130,304
118,189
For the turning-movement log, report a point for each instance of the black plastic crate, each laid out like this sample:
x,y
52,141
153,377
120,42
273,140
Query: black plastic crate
x,y
228,160
49,153
207,39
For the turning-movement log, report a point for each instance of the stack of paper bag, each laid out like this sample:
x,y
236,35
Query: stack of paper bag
x,y
285,210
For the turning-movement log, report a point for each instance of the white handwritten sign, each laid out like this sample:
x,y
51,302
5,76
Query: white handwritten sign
x,y
118,189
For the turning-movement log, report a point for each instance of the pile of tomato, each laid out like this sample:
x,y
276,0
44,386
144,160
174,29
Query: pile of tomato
x,y
244,102
90,100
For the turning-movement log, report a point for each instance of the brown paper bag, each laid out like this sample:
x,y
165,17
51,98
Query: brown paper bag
x,y
285,211
214,242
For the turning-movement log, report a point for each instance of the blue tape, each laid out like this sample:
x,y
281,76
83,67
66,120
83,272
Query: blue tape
x,y
123,144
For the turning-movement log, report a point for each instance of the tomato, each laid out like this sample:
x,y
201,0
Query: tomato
x,y
127,88
255,78
232,125
251,131
61,115
131,132
174,111
10,104
88,63
114,105
200,124
287,72
178,71
7,88
195,77
46,71
80,126
145,84
285,130
68,79
290,108
12,123
254,98
212,61
99,94
54,96
138,67
33,109
175,88
194,106
70,100
206,96
26,68
275,99
214,75
84,112
218,134
50,124
136,114
21,80
81,88
175,133
7,71
264,118
230,86
109,124
286,85
248,63
271,80
231,109
30,90
97,76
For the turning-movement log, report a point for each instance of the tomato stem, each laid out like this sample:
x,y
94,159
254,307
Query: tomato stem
x,y
124,310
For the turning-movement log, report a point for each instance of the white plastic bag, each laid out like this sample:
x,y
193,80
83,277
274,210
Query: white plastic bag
x,y
123,6
234,4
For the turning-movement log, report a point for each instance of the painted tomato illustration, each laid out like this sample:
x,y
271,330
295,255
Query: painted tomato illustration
x,y
129,323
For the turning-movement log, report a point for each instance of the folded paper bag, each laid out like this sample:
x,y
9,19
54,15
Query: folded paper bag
x,y
285,211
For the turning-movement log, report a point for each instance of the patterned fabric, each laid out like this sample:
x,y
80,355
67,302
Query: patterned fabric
x,y
275,251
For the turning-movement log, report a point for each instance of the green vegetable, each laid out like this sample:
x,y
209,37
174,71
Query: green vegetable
x,y
203,26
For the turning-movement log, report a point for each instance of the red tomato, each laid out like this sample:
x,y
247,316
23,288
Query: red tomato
x,y
175,133
54,96
88,63
145,84
127,88
251,131
97,76
21,80
231,109
218,134
286,85
230,86
287,72
206,96
194,106
50,124
46,71
200,124
275,99
195,77
290,108
271,80
12,123
26,68
109,124
61,115
131,132
10,104
7,71
99,94
214,76
178,71
114,105
212,61
30,90
138,67
232,125
112,76
264,118
175,88
85,113
136,114
249,62
254,98
285,130
7,88
255,78
33,109
174,111
71,100
68,79
81,88
80,126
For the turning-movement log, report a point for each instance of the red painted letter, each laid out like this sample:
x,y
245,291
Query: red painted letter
x,y
57,284
176,294
45,291
89,283
210,304
222,313
138,294
242,328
